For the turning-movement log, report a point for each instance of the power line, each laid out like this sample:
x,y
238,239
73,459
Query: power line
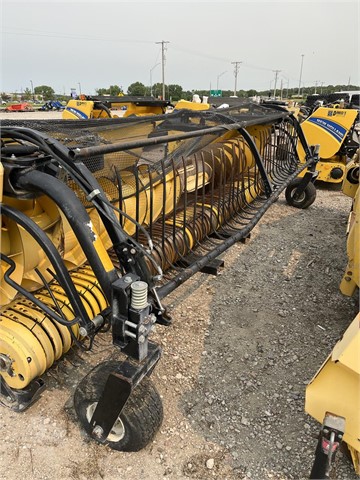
x,y
77,37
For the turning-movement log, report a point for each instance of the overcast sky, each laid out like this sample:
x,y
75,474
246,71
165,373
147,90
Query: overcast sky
x,y
101,43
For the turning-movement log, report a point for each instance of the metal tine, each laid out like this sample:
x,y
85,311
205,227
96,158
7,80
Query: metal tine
x,y
210,242
203,195
237,162
214,233
185,205
237,173
227,215
196,240
137,202
120,196
175,228
164,207
151,201
217,233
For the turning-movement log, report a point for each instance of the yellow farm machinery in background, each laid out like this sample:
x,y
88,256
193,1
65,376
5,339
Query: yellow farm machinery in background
x,y
333,395
100,220
334,129
86,107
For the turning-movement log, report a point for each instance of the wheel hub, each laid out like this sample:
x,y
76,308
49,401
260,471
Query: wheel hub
x,y
117,432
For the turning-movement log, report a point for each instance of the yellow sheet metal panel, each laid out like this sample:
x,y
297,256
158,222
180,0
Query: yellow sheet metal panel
x,y
325,169
78,109
336,389
351,278
328,128
351,180
347,350
185,104
355,457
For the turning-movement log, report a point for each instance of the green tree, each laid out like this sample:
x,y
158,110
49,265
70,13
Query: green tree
x,y
46,92
115,90
136,88
27,94
251,93
157,90
102,91
175,92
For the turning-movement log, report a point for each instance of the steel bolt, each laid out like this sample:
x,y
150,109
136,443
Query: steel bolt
x,y
97,431
127,279
83,332
141,339
133,251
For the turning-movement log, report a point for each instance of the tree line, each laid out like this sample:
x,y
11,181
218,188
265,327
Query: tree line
x,y
174,92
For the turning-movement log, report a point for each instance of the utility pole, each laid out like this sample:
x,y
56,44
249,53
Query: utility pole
x,y
32,90
276,76
301,69
163,48
321,89
236,71
316,84
281,89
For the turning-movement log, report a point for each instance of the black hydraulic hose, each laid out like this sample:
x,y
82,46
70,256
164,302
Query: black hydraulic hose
x,y
87,182
76,215
55,259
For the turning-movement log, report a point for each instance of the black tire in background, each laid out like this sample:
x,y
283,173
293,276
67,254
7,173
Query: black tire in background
x,y
307,197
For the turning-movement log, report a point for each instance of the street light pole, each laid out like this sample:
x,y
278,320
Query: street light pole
x,y
301,69
151,70
217,82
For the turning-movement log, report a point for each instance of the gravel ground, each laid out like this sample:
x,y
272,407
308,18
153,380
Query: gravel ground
x,y
236,360
30,115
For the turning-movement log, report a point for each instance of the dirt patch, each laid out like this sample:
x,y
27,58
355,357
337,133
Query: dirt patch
x,y
236,361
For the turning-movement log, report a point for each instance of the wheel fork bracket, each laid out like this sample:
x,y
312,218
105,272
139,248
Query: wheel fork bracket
x,y
118,389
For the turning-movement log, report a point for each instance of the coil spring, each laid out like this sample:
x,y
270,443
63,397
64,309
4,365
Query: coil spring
x,y
139,291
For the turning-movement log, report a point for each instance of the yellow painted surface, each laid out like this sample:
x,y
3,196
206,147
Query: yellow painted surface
x,y
351,278
185,104
336,387
328,128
